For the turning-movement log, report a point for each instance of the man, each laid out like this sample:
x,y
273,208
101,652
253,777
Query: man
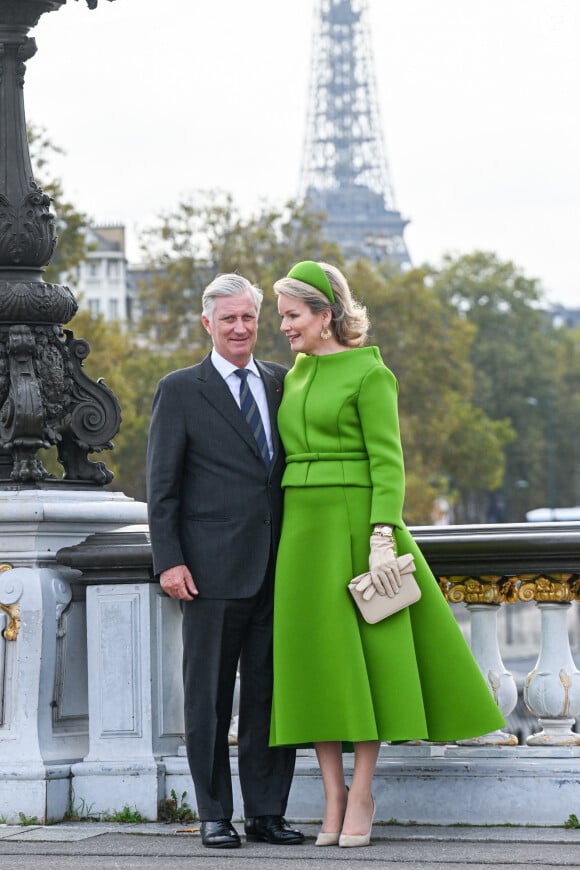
x,y
214,468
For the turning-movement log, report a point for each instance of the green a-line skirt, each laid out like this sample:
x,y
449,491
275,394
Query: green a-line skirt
x,y
409,677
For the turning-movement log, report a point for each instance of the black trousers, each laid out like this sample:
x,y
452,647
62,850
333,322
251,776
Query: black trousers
x,y
217,634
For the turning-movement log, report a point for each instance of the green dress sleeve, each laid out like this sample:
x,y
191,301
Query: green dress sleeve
x,y
379,417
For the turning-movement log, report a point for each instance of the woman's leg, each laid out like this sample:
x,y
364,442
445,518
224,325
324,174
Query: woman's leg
x,y
330,761
360,806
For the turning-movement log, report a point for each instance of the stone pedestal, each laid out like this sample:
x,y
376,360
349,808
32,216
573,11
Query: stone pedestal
x,y
43,658
35,523
135,699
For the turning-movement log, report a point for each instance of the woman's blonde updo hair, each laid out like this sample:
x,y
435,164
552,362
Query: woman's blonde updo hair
x,y
349,322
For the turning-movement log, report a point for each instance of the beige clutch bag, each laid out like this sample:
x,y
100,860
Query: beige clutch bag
x,y
381,606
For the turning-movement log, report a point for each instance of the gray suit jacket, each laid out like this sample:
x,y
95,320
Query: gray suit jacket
x,y
213,505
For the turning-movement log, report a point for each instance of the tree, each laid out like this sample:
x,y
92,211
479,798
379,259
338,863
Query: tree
x,y
474,459
511,353
561,415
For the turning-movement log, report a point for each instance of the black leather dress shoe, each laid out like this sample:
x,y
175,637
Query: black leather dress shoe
x,y
272,829
220,834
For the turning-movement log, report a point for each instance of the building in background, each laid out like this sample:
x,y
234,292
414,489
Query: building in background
x,y
568,318
100,282
345,173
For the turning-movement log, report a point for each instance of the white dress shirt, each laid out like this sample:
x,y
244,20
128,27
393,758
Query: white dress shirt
x,y
227,370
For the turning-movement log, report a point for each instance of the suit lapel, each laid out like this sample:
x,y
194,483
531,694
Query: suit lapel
x,y
217,393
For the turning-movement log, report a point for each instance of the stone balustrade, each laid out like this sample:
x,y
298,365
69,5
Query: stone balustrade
x,y
487,567
91,653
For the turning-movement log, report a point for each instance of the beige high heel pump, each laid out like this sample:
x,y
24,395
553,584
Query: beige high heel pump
x,y
350,840
329,838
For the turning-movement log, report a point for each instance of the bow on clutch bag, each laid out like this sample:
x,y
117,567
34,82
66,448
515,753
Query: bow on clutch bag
x,y
380,606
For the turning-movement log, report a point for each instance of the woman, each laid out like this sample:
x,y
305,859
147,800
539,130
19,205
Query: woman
x,y
337,679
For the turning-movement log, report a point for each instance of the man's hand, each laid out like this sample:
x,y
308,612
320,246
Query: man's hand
x,y
178,583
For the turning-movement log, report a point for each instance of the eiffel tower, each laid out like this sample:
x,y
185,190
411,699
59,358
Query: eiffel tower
x,y
344,170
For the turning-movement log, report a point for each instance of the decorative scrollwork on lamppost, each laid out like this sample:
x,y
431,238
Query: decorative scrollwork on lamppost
x,y
46,399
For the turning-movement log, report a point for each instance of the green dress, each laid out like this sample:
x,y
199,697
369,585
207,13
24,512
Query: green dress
x,y
409,677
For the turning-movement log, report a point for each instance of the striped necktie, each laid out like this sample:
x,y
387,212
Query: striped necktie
x,y
251,412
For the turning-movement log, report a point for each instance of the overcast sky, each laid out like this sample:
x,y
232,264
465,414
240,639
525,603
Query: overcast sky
x,y
153,99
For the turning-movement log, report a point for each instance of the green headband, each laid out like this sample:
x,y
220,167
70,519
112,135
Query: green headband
x,y
311,273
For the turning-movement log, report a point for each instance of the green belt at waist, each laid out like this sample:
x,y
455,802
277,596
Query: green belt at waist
x,y
326,457
351,468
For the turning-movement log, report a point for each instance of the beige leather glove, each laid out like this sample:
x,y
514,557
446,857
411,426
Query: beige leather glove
x,y
384,576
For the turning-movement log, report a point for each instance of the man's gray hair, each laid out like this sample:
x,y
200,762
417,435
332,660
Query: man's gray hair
x,y
229,284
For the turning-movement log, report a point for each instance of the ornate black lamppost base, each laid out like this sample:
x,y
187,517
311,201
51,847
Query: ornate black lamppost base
x,y
46,399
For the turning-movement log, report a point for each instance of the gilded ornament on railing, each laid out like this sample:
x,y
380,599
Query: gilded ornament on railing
x,y
566,681
575,587
557,588
487,589
12,611
13,627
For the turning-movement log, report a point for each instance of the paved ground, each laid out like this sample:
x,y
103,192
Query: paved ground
x,y
104,846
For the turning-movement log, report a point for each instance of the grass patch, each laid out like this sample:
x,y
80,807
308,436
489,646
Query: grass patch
x,y
174,809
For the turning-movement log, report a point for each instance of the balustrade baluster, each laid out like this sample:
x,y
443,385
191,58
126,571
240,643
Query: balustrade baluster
x,y
485,648
552,689
483,597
